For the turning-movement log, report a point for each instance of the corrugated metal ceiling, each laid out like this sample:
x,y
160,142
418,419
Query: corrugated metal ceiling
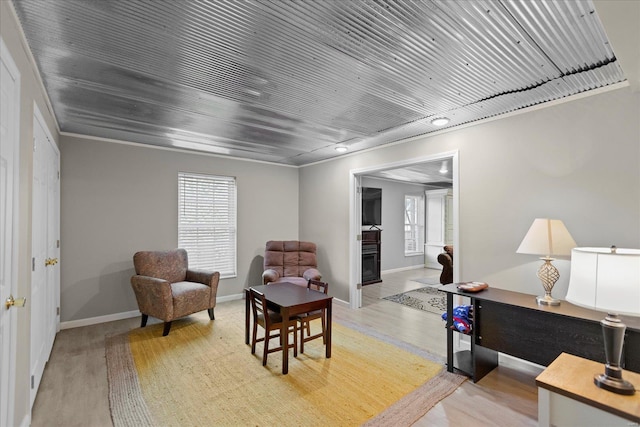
x,y
288,81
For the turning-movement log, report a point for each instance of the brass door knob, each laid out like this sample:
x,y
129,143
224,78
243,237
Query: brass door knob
x,y
10,302
50,261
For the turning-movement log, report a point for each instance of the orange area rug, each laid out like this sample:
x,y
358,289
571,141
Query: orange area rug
x,y
202,373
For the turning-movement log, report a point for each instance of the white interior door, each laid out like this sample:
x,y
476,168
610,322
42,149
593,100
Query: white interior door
x,y
356,288
45,268
9,182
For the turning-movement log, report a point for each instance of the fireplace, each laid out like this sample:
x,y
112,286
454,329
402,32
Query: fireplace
x,y
371,257
369,264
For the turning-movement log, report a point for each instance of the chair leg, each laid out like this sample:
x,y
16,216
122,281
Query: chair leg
x,y
167,328
266,348
324,332
211,316
295,340
254,337
143,322
302,337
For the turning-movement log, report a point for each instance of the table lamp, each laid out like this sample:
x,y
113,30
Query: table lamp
x,y
608,279
547,237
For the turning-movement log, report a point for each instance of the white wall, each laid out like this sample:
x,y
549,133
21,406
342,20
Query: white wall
x,y
392,246
118,199
576,161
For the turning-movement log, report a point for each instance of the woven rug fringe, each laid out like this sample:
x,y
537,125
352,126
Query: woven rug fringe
x,y
416,404
124,388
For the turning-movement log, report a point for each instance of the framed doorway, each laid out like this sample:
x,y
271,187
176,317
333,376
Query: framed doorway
x,y
355,212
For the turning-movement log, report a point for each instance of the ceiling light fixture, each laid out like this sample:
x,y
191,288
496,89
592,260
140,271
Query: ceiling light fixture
x,y
440,121
341,148
444,168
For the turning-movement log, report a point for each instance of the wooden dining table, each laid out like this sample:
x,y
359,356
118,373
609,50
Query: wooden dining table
x,y
289,300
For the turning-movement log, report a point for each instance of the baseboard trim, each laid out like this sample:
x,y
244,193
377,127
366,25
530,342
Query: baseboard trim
x,y
504,358
125,315
98,319
26,421
135,313
397,270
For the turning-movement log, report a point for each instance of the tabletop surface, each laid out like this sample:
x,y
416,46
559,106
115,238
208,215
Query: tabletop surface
x,y
528,301
572,376
287,294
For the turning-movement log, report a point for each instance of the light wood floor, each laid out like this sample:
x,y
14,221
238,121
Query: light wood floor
x,y
74,389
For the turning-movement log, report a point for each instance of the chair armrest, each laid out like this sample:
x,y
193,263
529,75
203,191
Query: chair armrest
x,y
153,296
445,259
312,274
269,276
209,278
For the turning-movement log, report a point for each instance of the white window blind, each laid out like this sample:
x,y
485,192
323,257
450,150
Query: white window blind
x,y
207,221
413,225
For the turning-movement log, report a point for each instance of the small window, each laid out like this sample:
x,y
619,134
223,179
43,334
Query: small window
x,y
413,225
207,221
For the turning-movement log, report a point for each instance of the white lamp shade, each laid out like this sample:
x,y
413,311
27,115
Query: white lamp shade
x,y
605,281
547,237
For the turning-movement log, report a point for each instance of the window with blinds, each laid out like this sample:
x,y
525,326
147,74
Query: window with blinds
x,y
413,225
207,221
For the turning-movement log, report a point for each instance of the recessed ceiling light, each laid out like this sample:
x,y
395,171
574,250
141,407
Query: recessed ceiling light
x,y
440,121
341,148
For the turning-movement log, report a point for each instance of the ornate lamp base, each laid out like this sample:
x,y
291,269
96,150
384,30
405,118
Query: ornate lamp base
x,y
548,275
547,300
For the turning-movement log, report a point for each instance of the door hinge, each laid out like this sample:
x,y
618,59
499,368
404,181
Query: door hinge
x,y
57,311
34,144
33,264
58,243
33,381
58,174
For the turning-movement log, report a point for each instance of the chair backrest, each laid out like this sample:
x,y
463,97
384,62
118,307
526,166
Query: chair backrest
x,y
259,307
318,285
290,258
167,265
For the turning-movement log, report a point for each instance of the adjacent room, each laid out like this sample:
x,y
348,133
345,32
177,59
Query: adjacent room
x,y
433,205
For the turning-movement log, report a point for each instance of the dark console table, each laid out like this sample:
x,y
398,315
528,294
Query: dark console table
x,y
513,323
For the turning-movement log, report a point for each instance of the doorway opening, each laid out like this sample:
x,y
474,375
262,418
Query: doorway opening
x,y
408,166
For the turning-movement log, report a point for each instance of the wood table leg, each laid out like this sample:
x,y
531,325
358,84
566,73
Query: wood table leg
x,y
284,337
328,331
246,316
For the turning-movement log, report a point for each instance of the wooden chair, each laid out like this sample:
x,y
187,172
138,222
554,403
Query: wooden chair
x,y
270,321
306,318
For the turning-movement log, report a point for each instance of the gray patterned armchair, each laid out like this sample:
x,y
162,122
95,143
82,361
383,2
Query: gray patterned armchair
x,y
290,261
166,289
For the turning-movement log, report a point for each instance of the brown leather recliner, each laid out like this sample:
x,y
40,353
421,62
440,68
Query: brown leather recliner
x,y
446,259
290,261
167,289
